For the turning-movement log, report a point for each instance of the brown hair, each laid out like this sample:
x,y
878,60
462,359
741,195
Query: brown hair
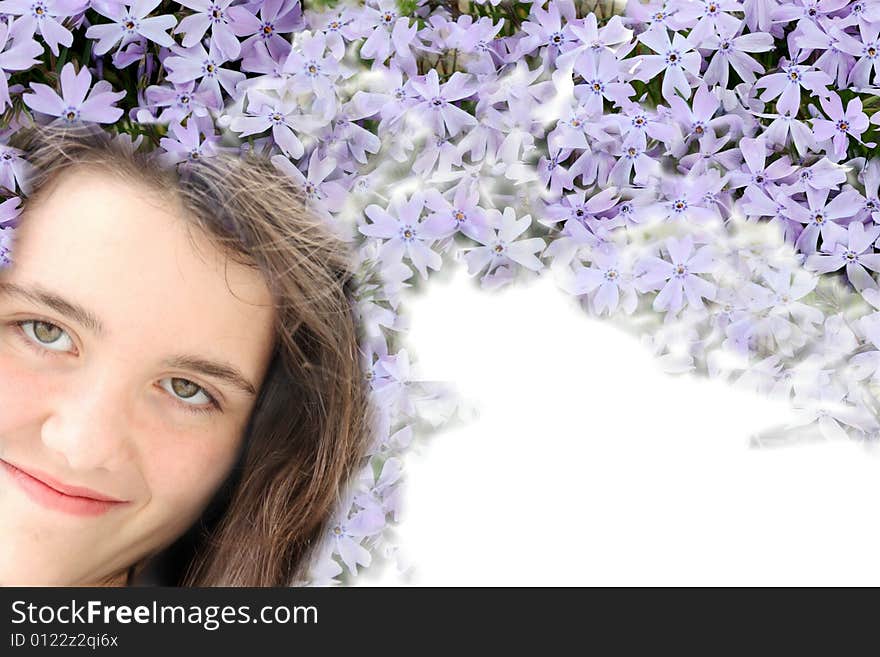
x,y
308,432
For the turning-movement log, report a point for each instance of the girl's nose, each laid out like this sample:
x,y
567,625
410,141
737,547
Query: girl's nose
x,y
86,425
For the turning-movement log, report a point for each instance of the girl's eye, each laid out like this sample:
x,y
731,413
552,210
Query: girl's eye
x,y
45,334
39,335
183,389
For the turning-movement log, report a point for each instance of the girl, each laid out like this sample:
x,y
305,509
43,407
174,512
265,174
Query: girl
x,y
181,395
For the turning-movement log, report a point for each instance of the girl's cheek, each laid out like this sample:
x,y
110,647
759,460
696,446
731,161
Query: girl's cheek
x,y
183,458
22,389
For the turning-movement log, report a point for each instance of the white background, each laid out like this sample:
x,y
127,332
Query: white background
x,y
588,465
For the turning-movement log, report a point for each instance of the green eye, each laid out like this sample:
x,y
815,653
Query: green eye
x,y
184,389
40,335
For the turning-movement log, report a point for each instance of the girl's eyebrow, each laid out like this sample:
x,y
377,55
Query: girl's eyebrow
x,y
59,304
39,295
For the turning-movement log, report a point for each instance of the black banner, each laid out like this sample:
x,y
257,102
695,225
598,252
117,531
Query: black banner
x,y
173,621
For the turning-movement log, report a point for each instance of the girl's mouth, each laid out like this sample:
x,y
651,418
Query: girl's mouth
x,y
46,495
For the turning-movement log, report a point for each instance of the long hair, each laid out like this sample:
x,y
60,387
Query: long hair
x,y
309,429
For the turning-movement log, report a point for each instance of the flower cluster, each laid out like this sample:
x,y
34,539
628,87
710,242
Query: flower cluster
x,y
706,165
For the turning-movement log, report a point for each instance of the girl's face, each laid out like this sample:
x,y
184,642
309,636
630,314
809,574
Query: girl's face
x,y
118,336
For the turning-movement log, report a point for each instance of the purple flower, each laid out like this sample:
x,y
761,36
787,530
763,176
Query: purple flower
x,y
213,14
608,278
387,29
463,214
311,71
601,71
323,195
678,275
787,83
436,101
17,53
730,52
699,120
755,172
546,30
6,240
276,18
347,533
856,254
613,37
553,174
775,204
684,200
870,178
42,16
674,59
14,169
836,46
265,112
197,64
823,216
130,24
501,245
73,104
10,211
339,28
633,155
186,143
711,17
177,100
404,234
841,125
860,74
788,125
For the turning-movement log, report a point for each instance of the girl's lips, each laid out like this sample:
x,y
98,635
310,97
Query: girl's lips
x,y
44,494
